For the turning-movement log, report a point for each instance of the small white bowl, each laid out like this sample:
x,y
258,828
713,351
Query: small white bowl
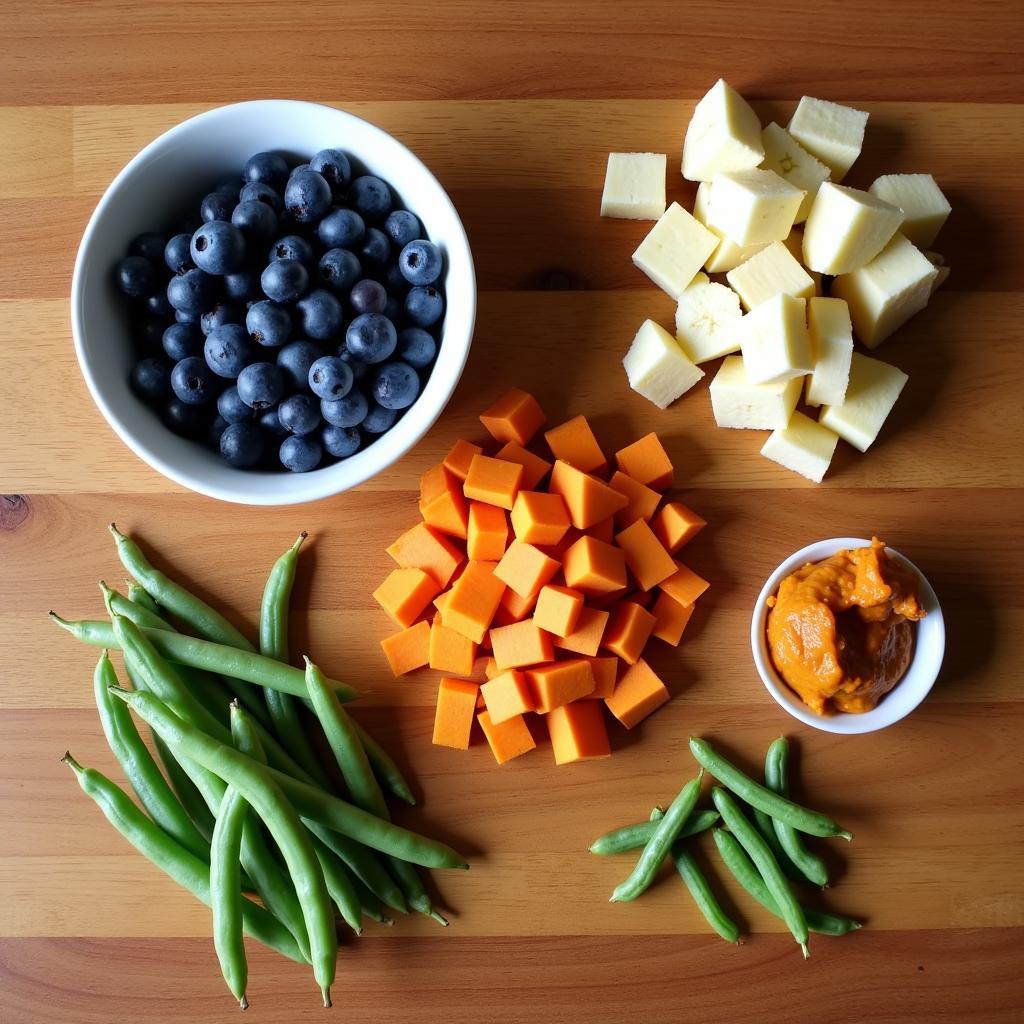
x,y
160,184
929,646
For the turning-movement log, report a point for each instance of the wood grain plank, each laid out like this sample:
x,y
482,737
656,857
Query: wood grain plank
x,y
35,157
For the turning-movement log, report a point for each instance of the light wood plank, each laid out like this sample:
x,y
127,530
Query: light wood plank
x,y
35,158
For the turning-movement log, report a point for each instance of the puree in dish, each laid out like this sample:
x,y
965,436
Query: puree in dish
x,y
839,630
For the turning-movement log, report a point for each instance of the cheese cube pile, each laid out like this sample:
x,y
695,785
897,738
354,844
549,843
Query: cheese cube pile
x,y
807,268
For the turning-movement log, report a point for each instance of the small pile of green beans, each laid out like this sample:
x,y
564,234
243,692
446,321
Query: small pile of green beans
x,y
243,814
762,855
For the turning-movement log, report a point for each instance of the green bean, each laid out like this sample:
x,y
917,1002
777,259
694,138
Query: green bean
x,y
370,904
138,595
811,866
743,870
764,799
702,893
363,863
186,790
763,823
760,853
174,860
387,772
633,837
666,832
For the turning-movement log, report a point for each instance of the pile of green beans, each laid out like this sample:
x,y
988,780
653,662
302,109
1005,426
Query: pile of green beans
x,y
243,805
763,855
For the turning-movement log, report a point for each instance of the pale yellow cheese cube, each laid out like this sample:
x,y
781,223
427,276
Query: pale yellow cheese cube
x,y
728,254
657,367
794,242
804,446
829,131
774,340
847,228
886,293
740,404
724,134
770,272
708,321
634,186
752,206
924,207
874,388
787,158
828,324
674,250
938,261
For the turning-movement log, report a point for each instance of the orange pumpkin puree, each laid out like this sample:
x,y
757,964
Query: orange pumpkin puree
x,y
839,630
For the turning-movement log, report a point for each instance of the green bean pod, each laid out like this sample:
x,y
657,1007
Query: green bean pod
x,y
186,790
371,906
702,893
226,893
138,595
388,773
633,837
765,825
363,864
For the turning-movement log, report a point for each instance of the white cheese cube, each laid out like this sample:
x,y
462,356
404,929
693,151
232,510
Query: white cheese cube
x,y
657,367
724,134
752,206
708,320
847,228
938,261
787,158
674,250
874,388
794,242
804,446
886,293
924,207
828,324
739,404
634,186
772,271
774,340
728,254
829,131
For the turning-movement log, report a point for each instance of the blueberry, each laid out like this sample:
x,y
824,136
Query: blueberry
x,y
339,269
227,350
190,293
341,229
228,185
270,423
150,246
217,206
181,341
371,338
334,166
424,305
402,227
219,314
215,431
256,221
135,276
307,196
330,377
243,286
320,315
284,280
420,262
292,247
149,335
257,192
183,419
375,250
300,414
157,305
297,168
300,454
218,248
294,361
396,386
151,379
368,296
370,196
379,420
341,442
349,411
357,366
268,168
241,445
260,385
178,253
193,381
181,316
416,347
231,407
394,281
268,323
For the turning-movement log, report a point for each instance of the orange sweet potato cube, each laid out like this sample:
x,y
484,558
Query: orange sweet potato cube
x,y
636,694
405,593
516,416
586,637
521,644
594,567
539,518
641,501
629,629
453,717
513,608
684,585
508,739
606,674
558,609
493,481
458,459
560,683
525,569
675,525
648,561
450,651
491,668
647,462
534,467
588,499
442,503
578,732
604,530
670,618
408,650
473,600
506,696
574,442
424,548
486,532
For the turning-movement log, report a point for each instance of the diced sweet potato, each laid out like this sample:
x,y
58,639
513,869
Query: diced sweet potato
x,y
684,585
642,502
424,548
521,644
558,609
629,629
594,567
506,696
516,416
539,518
453,717
525,569
574,442
586,637
408,650
675,525
534,467
637,693
560,683
648,561
606,674
670,618
450,651
587,499
442,503
578,732
486,532
508,739
458,459
493,481
405,594
473,600
647,462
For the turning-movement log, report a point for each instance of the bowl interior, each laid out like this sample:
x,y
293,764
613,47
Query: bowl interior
x,y
167,179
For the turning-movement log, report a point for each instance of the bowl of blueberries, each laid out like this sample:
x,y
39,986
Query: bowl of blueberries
x,y
273,301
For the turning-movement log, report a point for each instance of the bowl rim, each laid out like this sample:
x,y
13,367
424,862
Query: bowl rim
x,y
321,482
885,713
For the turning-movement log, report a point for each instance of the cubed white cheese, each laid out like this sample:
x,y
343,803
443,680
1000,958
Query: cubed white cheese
x,y
787,158
829,131
874,388
728,254
752,206
740,404
828,324
724,134
804,446
774,340
708,320
657,367
674,250
770,272
634,186
938,261
886,293
794,242
847,228
924,207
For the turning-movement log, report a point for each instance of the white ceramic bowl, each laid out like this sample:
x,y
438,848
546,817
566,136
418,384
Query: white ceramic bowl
x,y
161,183
929,646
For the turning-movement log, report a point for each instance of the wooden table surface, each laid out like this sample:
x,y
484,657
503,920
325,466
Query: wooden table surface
x,y
515,107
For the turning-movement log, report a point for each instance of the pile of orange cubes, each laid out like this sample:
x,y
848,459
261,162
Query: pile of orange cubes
x,y
535,580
